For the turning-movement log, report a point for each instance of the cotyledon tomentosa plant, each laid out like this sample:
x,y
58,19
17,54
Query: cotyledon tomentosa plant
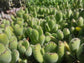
x,y
36,34
66,32
74,45
8,31
50,47
60,34
37,53
51,57
60,51
80,21
18,29
15,56
59,16
46,26
25,48
5,54
13,43
4,39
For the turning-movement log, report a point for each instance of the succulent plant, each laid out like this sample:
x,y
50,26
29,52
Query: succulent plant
x,y
13,17
22,46
55,28
39,29
37,53
73,22
59,16
47,39
25,16
42,39
5,54
15,56
44,30
29,31
13,43
76,14
6,22
51,57
18,29
60,34
28,51
69,12
50,47
47,28
80,21
8,32
47,34
54,35
20,13
31,22
20,21
74,45
34,36
51,24
66,31
72,29
4,39
61,50
43,51
67,48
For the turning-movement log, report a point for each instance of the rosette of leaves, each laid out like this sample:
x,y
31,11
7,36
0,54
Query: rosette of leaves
x,y
5,54
25,48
